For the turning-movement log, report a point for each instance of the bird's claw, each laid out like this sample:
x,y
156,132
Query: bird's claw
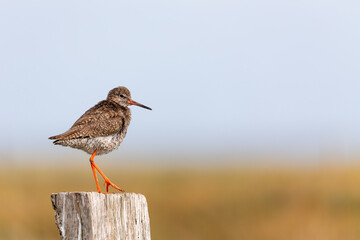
x,y
108,183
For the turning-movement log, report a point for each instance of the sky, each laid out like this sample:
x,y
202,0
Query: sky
x,y
220,76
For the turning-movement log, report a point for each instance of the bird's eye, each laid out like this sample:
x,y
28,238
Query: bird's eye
x,y
122,96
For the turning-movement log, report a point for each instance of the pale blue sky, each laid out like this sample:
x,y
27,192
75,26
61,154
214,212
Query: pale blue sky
x,y
220,75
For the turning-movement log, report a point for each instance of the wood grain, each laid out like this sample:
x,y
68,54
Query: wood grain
x,y
90,215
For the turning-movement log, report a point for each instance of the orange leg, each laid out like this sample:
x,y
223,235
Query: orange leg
x,y
94,172
107,181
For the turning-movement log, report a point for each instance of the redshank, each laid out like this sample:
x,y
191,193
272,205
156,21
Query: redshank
x,y
101,129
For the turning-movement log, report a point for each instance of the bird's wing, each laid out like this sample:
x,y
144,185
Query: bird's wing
x,y
103,119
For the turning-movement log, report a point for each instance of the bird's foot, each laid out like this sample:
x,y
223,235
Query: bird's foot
x,y
107,183
99,191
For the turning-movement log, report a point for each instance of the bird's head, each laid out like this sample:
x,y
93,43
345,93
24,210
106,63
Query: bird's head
x,y
122,96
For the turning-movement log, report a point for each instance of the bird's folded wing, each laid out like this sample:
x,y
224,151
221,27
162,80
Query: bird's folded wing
x,y
101,120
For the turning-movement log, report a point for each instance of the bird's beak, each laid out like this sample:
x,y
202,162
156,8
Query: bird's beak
x,y
132,102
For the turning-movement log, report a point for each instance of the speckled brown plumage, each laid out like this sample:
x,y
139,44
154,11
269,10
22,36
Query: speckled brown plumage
x,y
102,128
104,119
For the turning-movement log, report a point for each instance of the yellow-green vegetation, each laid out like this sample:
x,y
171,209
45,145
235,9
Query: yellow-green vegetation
x,y
234,203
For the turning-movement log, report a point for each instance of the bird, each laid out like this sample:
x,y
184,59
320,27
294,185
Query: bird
x,y
101,129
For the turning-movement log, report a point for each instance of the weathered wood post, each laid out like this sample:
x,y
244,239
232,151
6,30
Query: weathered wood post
x,y
90,215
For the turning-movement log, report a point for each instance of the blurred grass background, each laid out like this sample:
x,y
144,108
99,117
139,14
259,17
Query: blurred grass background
x,y
215,202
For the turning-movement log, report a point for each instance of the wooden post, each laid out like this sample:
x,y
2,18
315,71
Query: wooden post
x,y
90,215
